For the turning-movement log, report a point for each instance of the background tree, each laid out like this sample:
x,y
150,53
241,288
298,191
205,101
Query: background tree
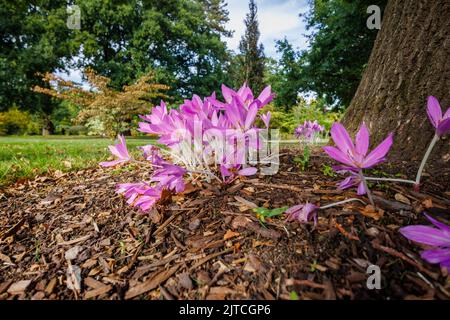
x,y
113,109
286,75
407,64
251,57
34,38
179,39
340,46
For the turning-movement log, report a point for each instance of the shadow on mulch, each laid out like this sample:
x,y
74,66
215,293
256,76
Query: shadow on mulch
x,y
70,236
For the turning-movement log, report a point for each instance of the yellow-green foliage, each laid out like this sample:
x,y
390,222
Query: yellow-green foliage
x,y
314,110
283,121
14,121
105,108
286,122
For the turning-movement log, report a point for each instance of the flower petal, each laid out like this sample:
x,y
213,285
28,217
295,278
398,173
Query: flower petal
x,y
252,111
346,183
122,147
443,127
342,139
426,235
447,114
438,224
111,163
362,140
294,209
265,96
434,111
377,155
224,171
247,171
436,255
338,155
227,93
361,189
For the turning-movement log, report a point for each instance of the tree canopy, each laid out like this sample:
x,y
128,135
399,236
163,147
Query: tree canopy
x,y
34,38
340,45
180,39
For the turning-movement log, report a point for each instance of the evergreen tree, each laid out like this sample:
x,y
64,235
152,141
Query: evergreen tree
x,y
251,52
217,16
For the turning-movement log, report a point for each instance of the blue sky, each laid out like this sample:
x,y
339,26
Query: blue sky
x,y
277,19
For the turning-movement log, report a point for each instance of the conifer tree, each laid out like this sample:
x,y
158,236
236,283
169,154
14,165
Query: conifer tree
x,y
251,57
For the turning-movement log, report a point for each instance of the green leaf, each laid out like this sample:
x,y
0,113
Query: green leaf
x,y
264,212
293,295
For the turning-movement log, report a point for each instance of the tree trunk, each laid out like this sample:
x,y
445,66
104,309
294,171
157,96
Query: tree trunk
x,y
48,128
410,61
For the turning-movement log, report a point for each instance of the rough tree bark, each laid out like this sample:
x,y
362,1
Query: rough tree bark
x,y
410,61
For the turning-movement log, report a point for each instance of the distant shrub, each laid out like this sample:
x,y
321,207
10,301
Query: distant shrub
x,y
281,120
315,110
76,130
14,121
287,121
34,127
95,127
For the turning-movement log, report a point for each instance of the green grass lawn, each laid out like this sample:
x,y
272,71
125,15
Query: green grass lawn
x,y
26,157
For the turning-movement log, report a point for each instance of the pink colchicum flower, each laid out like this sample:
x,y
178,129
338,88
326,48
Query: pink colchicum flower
x,y
201,137
229,172
266,118
120,151
305,212
355,156
170,176
140,194
438,238
442,125
354,179
308,130
302,213
439,121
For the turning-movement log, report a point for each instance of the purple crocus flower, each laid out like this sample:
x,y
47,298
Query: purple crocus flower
x,y
355,156
438,238
120,151
439,121
302,213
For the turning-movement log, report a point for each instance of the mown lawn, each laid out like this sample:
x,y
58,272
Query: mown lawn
x,y
26,157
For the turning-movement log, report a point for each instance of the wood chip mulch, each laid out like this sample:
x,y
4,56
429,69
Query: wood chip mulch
x,y
70,236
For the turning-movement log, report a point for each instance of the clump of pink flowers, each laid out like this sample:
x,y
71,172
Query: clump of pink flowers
x,y
308,131
203,138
